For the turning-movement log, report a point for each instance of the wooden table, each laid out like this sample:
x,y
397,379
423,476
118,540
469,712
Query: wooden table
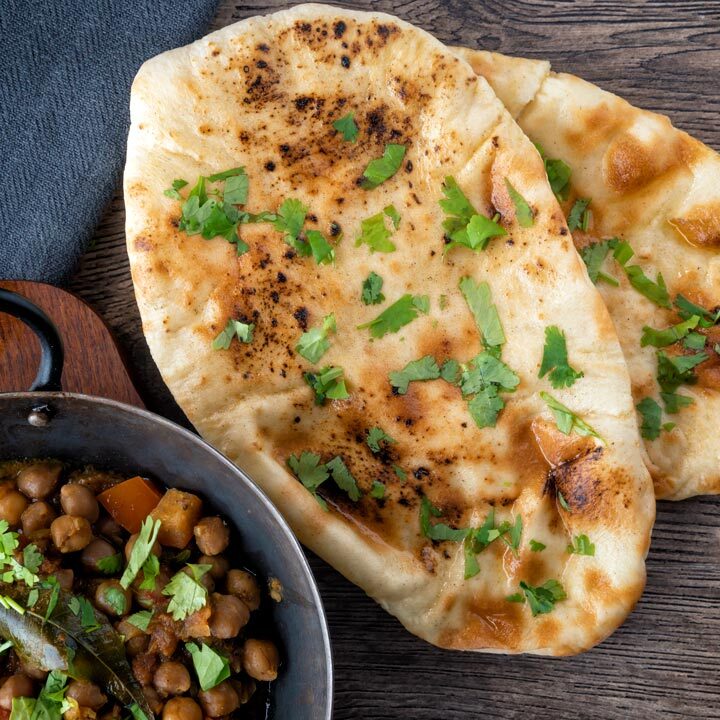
x,y
665,661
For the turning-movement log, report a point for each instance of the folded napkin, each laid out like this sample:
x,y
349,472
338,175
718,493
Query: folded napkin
x,y
65,73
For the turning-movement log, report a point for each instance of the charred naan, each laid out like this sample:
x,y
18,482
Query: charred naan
x,y
371,358
657,189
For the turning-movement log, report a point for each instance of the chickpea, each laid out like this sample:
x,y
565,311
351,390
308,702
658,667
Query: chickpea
x,y
128,630
12,506
211,535
86,693
229,616
37,516
79,501
96,551
65,578
137,645
79,712
181,708
112,598
70,533
33,671
130,544
108,528
153,699
243,585
171,678
17,685
218,565
220,700
38,480
260,659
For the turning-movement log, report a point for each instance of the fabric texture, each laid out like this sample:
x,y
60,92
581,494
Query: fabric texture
x,y
66,69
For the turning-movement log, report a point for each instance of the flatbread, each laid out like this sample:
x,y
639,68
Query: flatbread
x,y
263,93
659,189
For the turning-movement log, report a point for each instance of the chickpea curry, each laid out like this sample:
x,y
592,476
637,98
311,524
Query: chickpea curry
x,y
120,600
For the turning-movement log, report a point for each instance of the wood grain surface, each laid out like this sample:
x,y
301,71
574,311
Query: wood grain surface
x,y
665,661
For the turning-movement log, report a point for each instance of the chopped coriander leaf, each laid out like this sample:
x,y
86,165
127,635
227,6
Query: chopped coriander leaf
x,y
537,546
485,407
438,531
327,383
393,214
187,594
472,566
382,169
579,216
375,436
400,473
426,368
289,220
516,598
542,598
313,344
234,328
371,287
141,550
563,502
514,535
233,172
523,211
674,402
375,234
378,490
668,336
347,126
115,598
694,341
235,191
397,315
141,619
173,192
485,369
464,225
478,298
210,666
674,371
652,418
4,647
137,712
321,250
150,571
593,256
110,565
450,371
555,359
343,478
581,546
558,173
656,292
311,473
567,421
687,309
83,608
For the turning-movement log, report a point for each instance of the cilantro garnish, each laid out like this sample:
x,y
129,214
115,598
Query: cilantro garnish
x,y
375,234
402,475
579,216
450,371
141,550
311,473
426,368
347,126
523,211
563,502
477,296
314,343
371,287
173,192
83,608
567,421
687,309
234,328
150,571
674,371
480,538
555,359
11,570
141,619
391,212
344,478
327,383
289,221
558,173
110,565
514,535
542,598
210,666
438,531
668,336
377,490
656,292
593,256
652,419
115,597
397,315
694,341
382,169
321,250
581,545
537,546
187,594
464,226
375,436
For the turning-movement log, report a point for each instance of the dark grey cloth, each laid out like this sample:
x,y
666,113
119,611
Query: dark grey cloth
x,y
66,67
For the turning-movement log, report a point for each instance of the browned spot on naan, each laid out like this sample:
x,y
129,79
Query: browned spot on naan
x,y
700,226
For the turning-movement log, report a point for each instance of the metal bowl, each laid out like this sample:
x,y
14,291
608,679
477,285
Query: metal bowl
x,y
112,435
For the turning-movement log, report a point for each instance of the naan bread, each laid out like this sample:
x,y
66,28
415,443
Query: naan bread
x,y
263,93
659,189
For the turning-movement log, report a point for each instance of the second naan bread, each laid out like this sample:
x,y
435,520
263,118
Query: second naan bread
x,y
658,189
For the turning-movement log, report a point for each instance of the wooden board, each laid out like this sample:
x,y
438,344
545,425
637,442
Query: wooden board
x,y
93,365
663,663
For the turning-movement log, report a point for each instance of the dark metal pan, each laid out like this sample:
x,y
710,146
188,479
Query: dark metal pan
x,y
46,422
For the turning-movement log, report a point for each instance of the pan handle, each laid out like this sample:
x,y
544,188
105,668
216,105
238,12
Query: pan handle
x,y
51,360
